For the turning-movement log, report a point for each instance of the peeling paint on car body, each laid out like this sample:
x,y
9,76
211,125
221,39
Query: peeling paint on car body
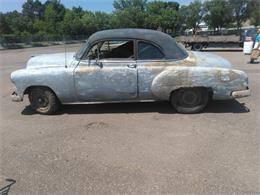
x,y
50,60
75,79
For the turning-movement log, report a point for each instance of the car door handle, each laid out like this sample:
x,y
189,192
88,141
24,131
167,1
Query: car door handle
x,y
99,64
131,65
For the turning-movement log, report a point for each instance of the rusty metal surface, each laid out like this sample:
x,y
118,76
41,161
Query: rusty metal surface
x,y
121,80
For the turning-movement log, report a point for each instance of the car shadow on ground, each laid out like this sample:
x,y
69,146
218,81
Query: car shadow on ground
x,y
222,50
230,106
255,62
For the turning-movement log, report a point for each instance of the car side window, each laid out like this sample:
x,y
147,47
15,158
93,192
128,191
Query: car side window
x,y
93,52
112,49
147,51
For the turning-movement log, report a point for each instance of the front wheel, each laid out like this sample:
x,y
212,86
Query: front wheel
x,y
43,100
189,100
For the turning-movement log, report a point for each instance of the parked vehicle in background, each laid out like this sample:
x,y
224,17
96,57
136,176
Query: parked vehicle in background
x,y
224,38
199,42
125,65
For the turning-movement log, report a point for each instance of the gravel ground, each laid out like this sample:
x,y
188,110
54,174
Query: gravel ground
x,y
130,148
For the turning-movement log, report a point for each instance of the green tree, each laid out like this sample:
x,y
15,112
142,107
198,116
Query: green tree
x,y
240,10
131,17
57,7
40,26
33,9
102,20
4,27
154,14
88,21
72,24
51,20
129,13
192,15
172,5
170,20
124,4
254,12
218,14
78,10
18,23
162,15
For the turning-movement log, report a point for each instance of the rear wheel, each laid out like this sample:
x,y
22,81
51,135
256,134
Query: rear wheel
x,y
43,100
189,100
197,46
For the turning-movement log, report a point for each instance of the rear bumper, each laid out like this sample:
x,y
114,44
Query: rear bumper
x,y
16,98
239,94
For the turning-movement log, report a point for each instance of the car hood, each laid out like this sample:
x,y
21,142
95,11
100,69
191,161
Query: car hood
x,y
50,60
204,59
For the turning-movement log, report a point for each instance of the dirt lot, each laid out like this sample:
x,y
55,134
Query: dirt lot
x,y
131,148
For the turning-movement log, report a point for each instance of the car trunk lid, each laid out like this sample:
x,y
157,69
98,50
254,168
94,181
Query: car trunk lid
x,y
205,59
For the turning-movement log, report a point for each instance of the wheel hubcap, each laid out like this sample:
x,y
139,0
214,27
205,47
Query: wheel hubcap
x,y
40,102
189,99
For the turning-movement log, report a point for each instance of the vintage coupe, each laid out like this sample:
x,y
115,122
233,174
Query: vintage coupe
x,y
128,65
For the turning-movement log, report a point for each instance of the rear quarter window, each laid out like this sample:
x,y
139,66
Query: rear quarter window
x,y
148,51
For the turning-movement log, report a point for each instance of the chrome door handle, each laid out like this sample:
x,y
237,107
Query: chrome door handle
x,y
131,65
99,64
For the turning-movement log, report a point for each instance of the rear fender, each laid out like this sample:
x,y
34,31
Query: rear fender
x,y
182,77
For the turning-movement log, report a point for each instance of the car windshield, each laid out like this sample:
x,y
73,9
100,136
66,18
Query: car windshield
x,y
81,51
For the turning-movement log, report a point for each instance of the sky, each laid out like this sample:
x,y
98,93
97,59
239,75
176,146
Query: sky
x,y
92,5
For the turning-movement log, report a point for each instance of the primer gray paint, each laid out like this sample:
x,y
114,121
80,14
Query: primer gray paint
x,y
86,82
128,80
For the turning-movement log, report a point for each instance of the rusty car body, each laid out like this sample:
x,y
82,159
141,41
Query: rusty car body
x,y
128,65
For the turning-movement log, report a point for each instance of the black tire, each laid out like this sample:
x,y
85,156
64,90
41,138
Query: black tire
x,y
252,60
189,100
197,46
43,100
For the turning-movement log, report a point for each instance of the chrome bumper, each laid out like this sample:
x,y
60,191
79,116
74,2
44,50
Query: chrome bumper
x,y
16,98
239,94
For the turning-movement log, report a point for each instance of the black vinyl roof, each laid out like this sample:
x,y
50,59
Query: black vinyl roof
x,y
168,44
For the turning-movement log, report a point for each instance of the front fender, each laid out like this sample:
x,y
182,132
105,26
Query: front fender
x,y
59,80
19,79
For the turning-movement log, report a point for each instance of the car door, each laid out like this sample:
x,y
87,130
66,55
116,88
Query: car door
x,y
108,74
150,62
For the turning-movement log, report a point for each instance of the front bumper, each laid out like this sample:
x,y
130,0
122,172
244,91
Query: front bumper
x,y
239,94
16,98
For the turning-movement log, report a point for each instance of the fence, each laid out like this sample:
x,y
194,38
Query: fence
x,y
12,41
